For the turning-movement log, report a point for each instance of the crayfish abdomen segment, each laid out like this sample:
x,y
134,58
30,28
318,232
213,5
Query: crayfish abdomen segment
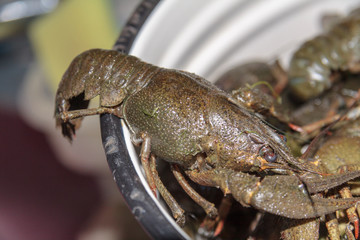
x,y
107,73
312,66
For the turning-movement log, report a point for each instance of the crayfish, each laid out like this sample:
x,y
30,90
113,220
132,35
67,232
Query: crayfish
x,y
318,62
201,131
257,90
315,72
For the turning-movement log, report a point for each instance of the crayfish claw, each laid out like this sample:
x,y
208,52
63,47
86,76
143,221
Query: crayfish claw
x,y
315,184
285,196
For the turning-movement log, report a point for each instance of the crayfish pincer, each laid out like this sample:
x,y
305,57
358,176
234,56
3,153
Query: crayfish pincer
x,y
200,130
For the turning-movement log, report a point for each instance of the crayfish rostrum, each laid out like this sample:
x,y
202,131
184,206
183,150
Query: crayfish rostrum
x,y
201,131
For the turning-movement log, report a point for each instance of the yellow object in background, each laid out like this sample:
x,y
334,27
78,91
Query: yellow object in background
x,y
75,26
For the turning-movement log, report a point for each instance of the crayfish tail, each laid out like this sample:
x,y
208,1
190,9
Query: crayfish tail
x,y
64,116
68,130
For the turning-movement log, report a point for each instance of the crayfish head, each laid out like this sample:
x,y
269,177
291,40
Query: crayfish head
x,y
272,153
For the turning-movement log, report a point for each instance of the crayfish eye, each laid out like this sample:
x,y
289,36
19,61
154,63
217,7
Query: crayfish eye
x,y
268,154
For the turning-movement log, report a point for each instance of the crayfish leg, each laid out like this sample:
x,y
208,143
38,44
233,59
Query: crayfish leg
x,y
144,157
224,210
332,225
209,207
176,210
348,232
211,227
351,212
71,120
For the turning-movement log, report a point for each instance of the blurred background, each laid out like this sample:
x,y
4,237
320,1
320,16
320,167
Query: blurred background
x,y
49,188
